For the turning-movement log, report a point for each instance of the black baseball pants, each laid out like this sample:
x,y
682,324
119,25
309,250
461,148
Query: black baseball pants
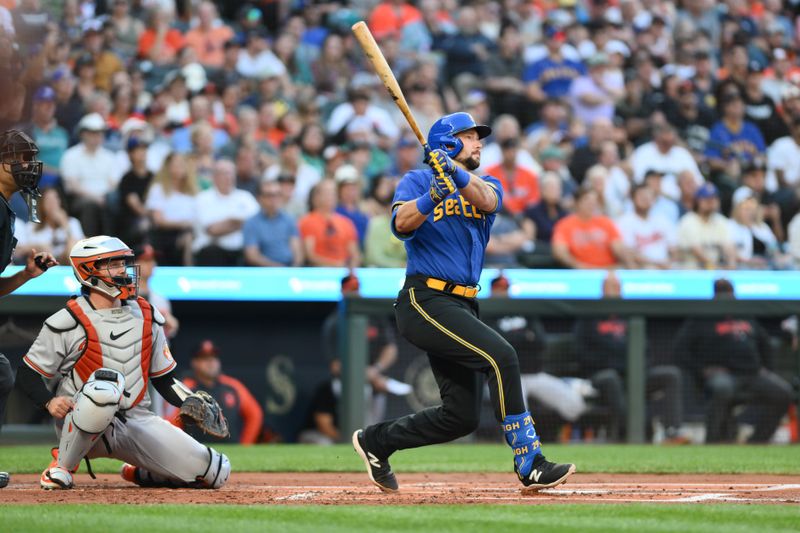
x,y
461,350
6,385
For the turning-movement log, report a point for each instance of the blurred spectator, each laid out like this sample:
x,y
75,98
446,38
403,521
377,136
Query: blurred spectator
x,y
146,259
754,183
221,211
171,204
650,236
358,113
602,346
381,247
105,61
548,211
663,206
200,112
760,108
132,220
271,237
594,94
333,70
329,239
510,238
552,76
466,51
756,245
588,240
52,139
227,74
391,16
292,168
69,105
730,357
733,140
584,157
127,29
504,77
704,236
88,173
248,169
665,156
552,128
56,234
783,172
256,60
348,204
240,408
159,42
506,128
520,185
692,121
209,36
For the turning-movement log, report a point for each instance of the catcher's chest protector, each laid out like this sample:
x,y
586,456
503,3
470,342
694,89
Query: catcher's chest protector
x,y
122,341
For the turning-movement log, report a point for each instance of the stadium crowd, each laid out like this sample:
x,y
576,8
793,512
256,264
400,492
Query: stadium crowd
x,y
627,133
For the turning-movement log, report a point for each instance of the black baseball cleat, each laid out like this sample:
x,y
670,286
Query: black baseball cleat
x,y
4,478
545,474
380,473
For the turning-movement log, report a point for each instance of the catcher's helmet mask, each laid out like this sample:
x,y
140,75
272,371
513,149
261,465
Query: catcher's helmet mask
x,y
91,263
443,133
18,156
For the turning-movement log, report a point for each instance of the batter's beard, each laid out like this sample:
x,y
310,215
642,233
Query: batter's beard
x,y
472,162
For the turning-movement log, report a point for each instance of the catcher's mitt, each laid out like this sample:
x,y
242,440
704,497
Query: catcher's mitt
x,y
203,411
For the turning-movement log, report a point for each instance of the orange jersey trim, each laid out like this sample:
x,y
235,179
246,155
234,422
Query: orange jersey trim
x,y
36,368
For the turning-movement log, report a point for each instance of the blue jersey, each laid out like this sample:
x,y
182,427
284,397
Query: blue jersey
x,y
450,244
745,144
555,77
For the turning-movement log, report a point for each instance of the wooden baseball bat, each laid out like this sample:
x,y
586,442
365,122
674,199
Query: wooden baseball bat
x,y
375,56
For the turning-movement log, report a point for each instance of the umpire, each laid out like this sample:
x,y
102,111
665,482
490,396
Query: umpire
x,y
445,215
19,171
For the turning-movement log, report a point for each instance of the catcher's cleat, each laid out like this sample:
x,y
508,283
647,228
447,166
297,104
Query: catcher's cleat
x,y
4,479
545,474
55,477
128,473
380,473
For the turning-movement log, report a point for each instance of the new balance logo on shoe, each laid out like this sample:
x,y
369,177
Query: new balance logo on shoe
x,y
373,460
536,474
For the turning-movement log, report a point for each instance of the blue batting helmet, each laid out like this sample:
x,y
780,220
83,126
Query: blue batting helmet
x,y
443,132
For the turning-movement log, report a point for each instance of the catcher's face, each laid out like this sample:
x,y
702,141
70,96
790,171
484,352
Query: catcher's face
x,y
470,154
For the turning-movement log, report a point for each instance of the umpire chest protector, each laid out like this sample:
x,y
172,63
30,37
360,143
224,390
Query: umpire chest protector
x,y
120,339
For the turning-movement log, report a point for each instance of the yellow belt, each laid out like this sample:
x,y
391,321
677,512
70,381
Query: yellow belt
x,y
452,288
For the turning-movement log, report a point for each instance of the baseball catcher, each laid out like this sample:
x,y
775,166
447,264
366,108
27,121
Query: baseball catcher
x,y
90,367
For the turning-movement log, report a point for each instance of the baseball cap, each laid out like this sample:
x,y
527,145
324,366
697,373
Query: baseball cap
x,y
754,67
44,94
551,152
92,122
706,190
741,194
597,59
206,348
779,54
407,142
346,174
136,142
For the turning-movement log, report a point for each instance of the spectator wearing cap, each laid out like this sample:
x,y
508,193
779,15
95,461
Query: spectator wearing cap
x,y
407,156
127,29
270,237
692,121
753,181
704,236
209,36
290,166
146,259
520,185
220,214
648,234
242,411
89,173
329,239
51,138
756,244
551,129
348,192
666,156
85,74
106,62
132,219
594,94
159,42
733,139
663,205
588,240
551,76
778,75
760,108
227,74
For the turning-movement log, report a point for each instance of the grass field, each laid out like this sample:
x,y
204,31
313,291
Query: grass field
x,y
730,518
475,458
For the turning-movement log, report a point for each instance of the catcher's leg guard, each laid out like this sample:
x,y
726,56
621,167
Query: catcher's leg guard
x,y
215,476
218,471
521,436
95,406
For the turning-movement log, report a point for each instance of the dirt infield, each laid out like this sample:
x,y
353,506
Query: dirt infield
x,y
350,488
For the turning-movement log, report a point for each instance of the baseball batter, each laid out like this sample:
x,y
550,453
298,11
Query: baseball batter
x,y
445,215
90,366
